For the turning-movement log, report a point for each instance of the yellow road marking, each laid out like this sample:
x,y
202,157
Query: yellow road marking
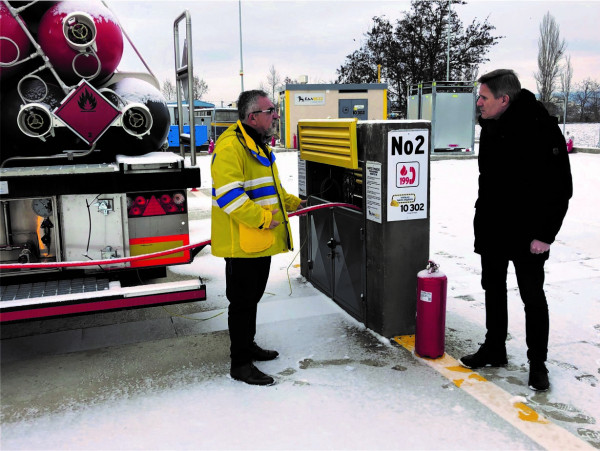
x,y
518,414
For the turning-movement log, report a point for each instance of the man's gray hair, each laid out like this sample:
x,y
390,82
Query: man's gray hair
x,y
247,102
502,82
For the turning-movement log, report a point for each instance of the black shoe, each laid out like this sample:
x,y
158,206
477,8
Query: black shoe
x,y
262,355
538,377
484,357
251,375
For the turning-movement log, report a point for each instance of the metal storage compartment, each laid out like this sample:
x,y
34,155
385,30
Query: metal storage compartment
x,y
450,106
366,260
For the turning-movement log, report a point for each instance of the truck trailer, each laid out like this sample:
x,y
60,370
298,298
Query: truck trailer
x,y
92,209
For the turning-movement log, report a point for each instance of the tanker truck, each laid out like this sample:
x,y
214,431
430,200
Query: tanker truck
x,y
92,209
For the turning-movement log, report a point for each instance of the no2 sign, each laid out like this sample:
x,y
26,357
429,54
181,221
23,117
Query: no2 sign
x,y
408,174
401,145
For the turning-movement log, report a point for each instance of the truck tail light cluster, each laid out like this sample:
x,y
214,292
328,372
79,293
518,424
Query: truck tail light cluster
x,y
156,203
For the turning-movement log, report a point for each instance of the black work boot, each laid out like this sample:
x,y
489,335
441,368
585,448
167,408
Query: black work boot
x,y
262,355
486,356
249,374
538,376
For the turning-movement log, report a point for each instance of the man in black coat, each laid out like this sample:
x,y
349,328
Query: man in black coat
x,y
524,190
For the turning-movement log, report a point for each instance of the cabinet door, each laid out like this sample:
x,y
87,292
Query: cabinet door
x,y
348,261
320,233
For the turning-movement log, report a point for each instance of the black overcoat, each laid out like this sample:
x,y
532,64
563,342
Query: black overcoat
x,y
524,179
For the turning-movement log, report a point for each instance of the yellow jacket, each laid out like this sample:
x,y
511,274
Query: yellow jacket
x,y
245,189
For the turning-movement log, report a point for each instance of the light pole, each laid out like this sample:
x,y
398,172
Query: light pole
x,y
448,32
241,59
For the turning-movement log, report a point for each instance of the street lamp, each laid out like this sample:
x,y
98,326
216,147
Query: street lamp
x,y
241,59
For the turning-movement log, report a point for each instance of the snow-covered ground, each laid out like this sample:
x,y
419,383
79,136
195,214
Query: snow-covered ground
x,y
338,385
583,134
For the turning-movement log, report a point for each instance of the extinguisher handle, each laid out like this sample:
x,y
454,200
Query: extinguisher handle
x,y
432,266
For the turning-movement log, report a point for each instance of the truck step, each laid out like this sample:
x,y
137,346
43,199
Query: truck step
x,y
52,288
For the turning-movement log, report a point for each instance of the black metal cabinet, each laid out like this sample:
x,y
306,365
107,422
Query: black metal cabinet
x,y
335,238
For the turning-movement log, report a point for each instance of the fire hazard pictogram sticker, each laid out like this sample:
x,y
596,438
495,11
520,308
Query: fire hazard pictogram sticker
x,y
87,112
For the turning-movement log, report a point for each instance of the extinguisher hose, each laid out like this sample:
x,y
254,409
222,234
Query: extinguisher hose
x,y
114,261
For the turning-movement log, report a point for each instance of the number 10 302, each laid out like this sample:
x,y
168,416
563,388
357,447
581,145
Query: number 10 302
x,y
411,207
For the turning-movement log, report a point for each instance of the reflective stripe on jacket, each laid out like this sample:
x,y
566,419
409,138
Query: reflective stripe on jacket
x,y
245,189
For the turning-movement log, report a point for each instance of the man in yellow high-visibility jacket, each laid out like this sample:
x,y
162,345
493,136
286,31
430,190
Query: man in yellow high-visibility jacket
x,y
249,224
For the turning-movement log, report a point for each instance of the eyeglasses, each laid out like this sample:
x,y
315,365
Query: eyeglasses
x,y
270,111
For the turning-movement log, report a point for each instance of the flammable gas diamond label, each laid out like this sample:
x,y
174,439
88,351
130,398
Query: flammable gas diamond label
x,y
87,112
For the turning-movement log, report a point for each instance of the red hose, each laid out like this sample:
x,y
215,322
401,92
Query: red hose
x,y
111,261
318,207
114,261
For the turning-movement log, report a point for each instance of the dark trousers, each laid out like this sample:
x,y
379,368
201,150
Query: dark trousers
x,y
246,280
529,270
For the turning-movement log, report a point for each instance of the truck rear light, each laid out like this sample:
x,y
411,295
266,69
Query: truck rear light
x,y
156,204
178,198
135,211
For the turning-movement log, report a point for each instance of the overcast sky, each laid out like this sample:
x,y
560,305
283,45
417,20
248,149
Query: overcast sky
x,y
313,37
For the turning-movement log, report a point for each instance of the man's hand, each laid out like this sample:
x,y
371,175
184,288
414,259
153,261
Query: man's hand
x,y
538,247
301,205
273,222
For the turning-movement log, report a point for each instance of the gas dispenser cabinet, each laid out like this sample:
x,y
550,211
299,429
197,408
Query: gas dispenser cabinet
x,y
366,258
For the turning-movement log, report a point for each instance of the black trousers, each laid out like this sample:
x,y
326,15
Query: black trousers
x,y
246,280
529,269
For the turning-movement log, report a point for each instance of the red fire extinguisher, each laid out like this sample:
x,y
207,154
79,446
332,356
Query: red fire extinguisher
x,y
430,334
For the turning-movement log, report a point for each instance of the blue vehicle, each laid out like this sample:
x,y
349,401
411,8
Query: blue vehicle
x,y
201,129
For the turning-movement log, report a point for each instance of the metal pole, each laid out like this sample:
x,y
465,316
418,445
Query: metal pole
x,y
241,59
565,114
190,80
448,51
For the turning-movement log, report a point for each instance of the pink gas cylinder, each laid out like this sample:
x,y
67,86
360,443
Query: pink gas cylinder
x,y
82,40
14,43
430,334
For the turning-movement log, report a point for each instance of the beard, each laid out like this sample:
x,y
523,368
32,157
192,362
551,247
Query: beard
x,y
272,130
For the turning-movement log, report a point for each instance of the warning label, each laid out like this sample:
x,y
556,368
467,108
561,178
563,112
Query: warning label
x,y
426,296
87,112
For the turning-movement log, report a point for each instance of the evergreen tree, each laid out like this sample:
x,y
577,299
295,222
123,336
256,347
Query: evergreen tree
x,y
414,50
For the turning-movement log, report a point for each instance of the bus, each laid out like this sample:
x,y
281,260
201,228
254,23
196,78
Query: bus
x,y
217,119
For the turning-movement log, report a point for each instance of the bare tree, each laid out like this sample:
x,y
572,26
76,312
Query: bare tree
x,y
550,50
273,83
566,76
170,93
168,90
583,96
595,101
200,87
